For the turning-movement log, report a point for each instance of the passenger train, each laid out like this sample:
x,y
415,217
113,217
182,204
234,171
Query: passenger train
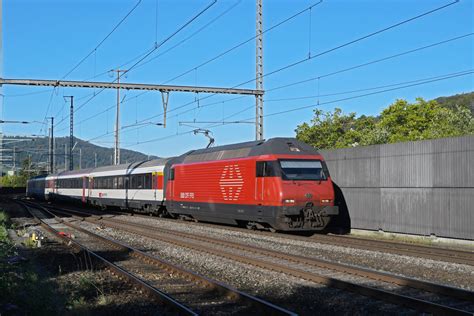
x,y
279,184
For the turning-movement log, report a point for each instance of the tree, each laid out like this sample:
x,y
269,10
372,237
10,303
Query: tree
x,y
401,121
422,119
334,129
19,180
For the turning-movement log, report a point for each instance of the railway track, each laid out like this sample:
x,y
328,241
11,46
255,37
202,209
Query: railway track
x,y
186,292
418,295
427,252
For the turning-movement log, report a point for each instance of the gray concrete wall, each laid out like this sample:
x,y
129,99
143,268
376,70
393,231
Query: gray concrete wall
x,y
423,187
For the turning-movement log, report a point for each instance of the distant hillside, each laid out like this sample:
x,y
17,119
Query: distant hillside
x,y
37,148
463,99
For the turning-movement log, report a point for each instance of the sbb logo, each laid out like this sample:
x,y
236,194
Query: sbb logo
x,y
231,182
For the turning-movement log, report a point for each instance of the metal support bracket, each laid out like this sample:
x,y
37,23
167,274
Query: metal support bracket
x,y
164,98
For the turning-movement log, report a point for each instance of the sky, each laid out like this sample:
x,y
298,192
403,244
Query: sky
x,y
47,39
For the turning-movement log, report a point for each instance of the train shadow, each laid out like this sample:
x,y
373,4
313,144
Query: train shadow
x,y
341,224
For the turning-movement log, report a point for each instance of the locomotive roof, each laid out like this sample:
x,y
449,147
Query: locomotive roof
x,y
272,146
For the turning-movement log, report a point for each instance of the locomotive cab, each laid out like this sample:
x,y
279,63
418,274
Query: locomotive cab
x,y
300,187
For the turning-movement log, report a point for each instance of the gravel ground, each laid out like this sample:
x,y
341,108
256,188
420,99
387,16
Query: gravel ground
x,y
67,287
292,293
456,275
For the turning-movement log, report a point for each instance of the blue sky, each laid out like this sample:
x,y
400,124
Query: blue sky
x,y
46,39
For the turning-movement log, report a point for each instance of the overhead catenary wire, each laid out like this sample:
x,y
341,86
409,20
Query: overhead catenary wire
x,y
356,40
334,48
244,42
341,46
156,46
221,54
367,89
464,73
212,21
371,62
191,35
311,56
400,85
103,40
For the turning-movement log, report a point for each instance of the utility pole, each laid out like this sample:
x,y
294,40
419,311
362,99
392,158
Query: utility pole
x,y
259,73
65,157
95,160
51,146
29,165
117,119
14,159
80,158
71,131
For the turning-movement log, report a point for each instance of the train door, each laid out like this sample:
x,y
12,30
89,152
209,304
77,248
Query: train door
x,y
170,187
260,187
90,186
154,184
126,185
260,181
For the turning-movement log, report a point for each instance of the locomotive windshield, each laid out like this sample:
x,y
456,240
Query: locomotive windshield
x,y
302,170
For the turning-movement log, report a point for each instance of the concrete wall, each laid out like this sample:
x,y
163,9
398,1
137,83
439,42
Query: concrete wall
x,y
423,187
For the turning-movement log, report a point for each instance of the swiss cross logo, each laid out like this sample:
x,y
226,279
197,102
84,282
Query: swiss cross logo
x,y
231,182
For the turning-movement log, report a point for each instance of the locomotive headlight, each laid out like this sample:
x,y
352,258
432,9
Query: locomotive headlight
x,y
325,201
289,201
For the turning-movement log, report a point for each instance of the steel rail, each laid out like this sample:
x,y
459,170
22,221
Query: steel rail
x,y
399,248
151,291
260,305
379,294
391,297
436,253
368,273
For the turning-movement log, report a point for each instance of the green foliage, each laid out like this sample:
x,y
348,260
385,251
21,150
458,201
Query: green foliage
x,y
20,285
19,180
401,121
15,181
464,100
4,222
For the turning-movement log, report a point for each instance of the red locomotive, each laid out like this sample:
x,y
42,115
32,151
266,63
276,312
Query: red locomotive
x,y
278,184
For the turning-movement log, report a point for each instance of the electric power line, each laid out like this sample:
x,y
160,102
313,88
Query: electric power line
x,y
145,56
310,79
334,48
171,36
344,45
103,40
426,81
177,44
244,42
464,73
356,40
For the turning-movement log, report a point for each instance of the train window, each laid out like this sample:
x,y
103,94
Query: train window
x,y
260,169
140,181
120,183
171,177
302,170
266,169
147,181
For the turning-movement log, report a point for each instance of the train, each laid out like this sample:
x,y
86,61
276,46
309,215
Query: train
x,y
279,184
